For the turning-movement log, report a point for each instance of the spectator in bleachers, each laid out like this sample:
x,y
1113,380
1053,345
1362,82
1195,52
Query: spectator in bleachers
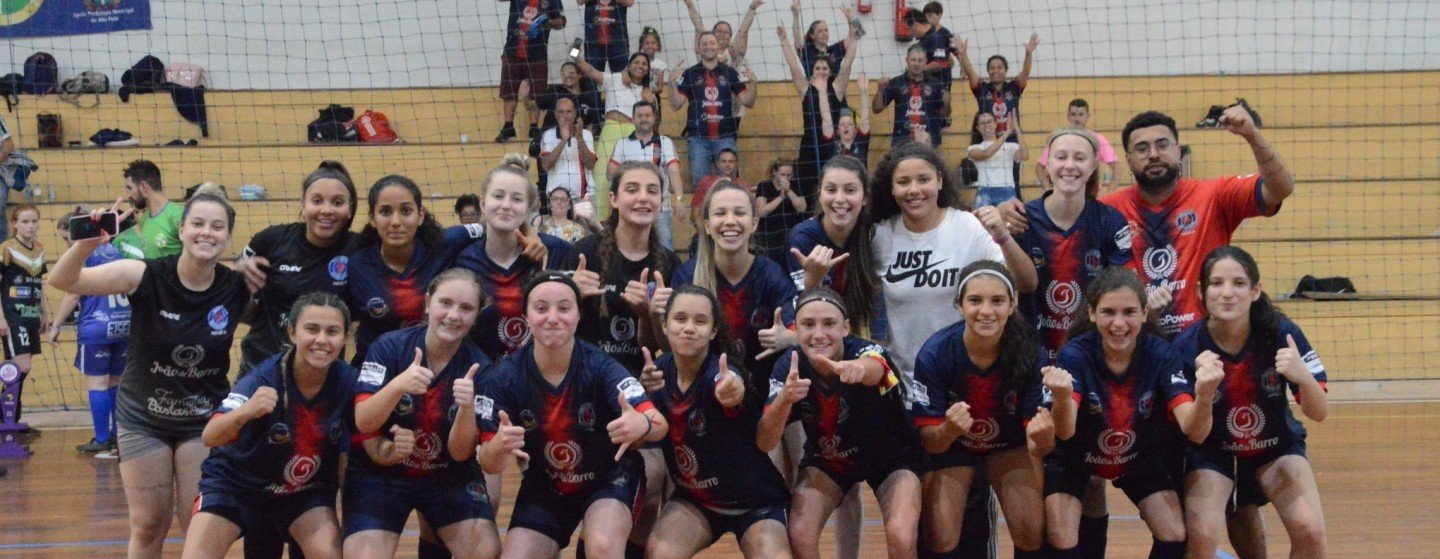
x,y
998,96
822,92
854,139
566,156
651,45
712,89
780,207
647,144
607,33
622,91
725,167
524,64
938,41
467,209
816,42
589,104
1078,114
995,156
561,221
156,233
921,102
732,46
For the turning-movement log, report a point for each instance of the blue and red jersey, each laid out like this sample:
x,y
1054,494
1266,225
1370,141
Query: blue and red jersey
x,y
710,449
944,375
521,41
749,305
999,103
804,238
429,415
1252,416
605,23
1066,260
712,94
565,424
103,318
850,429
500,329
1117,420
293,449
1171,240
382,300
938,49
918,104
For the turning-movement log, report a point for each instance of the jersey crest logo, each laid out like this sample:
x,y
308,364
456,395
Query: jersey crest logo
x,y
1160,262
1116,443
1245,422
696,423
1186,221
377,307
279,433
187,356
1011,401
586,416
563,456
427,446
1092,261
218,318
527,419
1147,404
337,431
985,430
405,406
685,460
301,469
1038,256
513,332
1063,297
1272,381
339,268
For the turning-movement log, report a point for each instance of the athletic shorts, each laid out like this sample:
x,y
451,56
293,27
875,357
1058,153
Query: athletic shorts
x,y
1147,476
539,508
23,338
254,513
1240,470
721,523
875,477
513,71
373,503
134,444
102,359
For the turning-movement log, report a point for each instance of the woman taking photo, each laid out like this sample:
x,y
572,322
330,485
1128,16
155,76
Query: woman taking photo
x,y
1255,451
574,413
188,306
416,434
278,439
723,481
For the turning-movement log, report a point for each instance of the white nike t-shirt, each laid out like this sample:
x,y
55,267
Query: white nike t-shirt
x,y
920,275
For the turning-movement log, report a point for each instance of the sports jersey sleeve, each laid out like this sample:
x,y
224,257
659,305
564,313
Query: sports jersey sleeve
x,y
1173,385
463,234
933,368
1118,245
492,397
376,368
1239,198
739,84
241,393
871,350
781,293
685,87
1072,359
262,243
557,251
1307,355
777,377
617,382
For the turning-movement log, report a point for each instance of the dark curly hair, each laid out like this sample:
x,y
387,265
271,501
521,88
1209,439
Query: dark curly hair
x,y
884,180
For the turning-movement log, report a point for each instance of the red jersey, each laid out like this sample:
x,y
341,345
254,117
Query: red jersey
x,y
1171,240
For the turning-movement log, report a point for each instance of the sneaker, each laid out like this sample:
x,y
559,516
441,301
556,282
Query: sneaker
x,y
507,133
93,446
108,455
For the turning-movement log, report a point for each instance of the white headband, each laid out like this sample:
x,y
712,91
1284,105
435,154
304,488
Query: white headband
x,y
987,272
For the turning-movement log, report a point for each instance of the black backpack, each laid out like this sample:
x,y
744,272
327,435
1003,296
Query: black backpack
x,y
336,124
144,77
42,74
10,87
1339,287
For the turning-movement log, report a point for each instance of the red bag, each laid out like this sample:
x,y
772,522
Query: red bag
x,y
375,128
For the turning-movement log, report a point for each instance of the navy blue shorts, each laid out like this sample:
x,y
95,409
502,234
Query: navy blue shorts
x,y
255,513
538,507
102,359
875,477
721,523
1146,476
1240,470
385,504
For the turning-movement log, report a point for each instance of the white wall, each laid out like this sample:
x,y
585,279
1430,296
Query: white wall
x,y
401,43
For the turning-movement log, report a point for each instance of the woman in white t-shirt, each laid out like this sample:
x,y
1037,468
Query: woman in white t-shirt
x,y
922,241
995,159
622,91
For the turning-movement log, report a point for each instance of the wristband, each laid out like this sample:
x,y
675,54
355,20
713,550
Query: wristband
x,y
1000,240
649,426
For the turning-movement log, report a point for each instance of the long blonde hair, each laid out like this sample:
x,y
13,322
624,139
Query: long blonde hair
x,y
705,272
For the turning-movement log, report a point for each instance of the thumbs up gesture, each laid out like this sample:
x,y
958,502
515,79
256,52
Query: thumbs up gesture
x,y
637,293
660,294
587,280
630,427
464,390
511,436
650,376
729,389
1209,371
775,338
1288,361
416,378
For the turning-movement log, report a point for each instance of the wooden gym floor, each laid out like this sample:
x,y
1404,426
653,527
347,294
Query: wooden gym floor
x,y
1373,460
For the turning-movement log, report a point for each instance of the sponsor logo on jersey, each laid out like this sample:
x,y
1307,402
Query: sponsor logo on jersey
x,y
1115,443
586,416
1093,264
985,430
1160,262
218,318
372,373
290,268
630,388
563,455
1063,297
339,268
377,307
1186,221
1244,422
187,356
484,406
1122,238
233,402
169,315
1146,404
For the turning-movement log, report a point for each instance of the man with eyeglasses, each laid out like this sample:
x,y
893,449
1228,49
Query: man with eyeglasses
x,y
1176,223
647,144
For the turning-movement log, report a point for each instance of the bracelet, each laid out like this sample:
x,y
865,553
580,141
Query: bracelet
x,y
649,426
1001,239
